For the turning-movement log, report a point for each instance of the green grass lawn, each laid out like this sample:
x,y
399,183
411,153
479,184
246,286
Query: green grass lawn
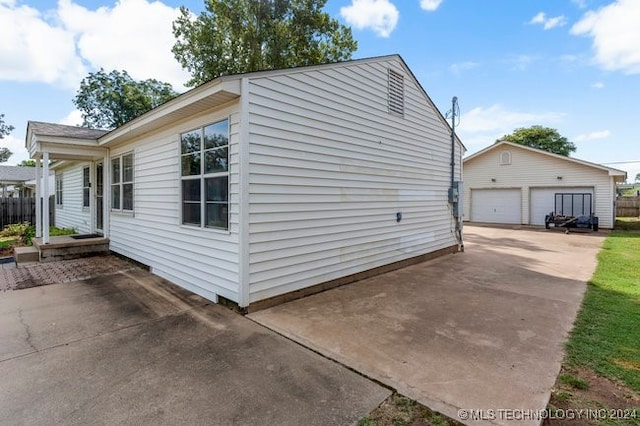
x,y
606,335
628,223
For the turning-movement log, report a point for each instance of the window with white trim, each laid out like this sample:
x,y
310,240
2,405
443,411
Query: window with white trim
x,y
58,190
122,182
204,159
86,186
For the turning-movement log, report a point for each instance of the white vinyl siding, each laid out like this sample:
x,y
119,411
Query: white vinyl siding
x,y
530,170
71,213
496,205
201,260
329,170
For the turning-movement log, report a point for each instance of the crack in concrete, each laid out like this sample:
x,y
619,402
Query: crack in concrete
x,y
27,330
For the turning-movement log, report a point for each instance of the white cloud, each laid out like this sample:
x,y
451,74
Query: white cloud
x,y
379,15
521,62
548,23
16,146
481,126
34,50
602,134
430,5
62,45
598,85
538,19
463,66
616,35
580,3
134,35
74,118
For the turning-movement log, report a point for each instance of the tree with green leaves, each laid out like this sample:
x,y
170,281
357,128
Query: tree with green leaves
x,y
637,177
5,130
236,36
27,163
544,138
108,100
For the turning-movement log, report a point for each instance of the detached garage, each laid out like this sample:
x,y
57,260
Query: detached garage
x,y
508,183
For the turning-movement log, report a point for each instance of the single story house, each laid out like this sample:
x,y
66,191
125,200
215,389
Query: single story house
x,y
514,184
258,185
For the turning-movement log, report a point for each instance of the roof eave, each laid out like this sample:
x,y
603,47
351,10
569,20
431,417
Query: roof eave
x,y
209,95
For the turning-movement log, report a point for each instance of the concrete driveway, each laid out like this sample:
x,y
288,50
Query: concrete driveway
x,y
129,348
480,330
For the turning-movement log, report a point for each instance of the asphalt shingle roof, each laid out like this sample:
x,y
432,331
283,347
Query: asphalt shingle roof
x,y
17,173
62,130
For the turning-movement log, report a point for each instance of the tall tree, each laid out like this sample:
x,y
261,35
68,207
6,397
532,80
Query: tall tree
x,y
236,36
5,130
543,138
108,100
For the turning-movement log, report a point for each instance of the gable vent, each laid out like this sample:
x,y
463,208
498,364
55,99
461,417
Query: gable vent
x,y
396,93
505,157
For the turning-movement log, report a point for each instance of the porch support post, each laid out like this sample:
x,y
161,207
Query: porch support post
x,y
106,194
45,198
38,200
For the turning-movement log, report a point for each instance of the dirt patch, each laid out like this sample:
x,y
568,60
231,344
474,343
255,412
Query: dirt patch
x,y
609,401
398,410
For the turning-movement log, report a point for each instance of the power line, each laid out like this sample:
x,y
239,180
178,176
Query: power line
x,y
623,162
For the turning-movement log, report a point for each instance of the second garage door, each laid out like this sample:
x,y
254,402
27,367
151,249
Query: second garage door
x,y
542,201
496,205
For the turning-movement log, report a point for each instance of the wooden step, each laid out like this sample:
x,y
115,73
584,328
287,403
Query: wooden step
x,y
26,254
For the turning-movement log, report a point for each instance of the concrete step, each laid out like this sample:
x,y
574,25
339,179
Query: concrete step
x,y
26,254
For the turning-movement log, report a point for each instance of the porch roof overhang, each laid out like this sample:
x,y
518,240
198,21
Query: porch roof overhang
x,y
66,149
62,142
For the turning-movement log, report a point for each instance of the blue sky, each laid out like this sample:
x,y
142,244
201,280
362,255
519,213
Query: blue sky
x,y
573,65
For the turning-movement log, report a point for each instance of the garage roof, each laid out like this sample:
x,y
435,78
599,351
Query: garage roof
x,y
620,175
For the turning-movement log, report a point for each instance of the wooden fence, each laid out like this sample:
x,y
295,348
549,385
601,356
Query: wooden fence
x,y
18,210
628,207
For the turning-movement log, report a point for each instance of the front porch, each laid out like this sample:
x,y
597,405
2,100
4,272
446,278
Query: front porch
x,y
52,145
63,247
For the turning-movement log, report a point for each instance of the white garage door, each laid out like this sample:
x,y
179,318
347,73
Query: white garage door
x,y
542,201
496,205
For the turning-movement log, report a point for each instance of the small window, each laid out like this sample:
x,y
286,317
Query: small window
x,y
58,190
205,176
396,93
505,157
122,182
86,186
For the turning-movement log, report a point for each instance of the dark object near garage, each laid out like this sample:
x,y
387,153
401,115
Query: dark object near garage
x,y
572,210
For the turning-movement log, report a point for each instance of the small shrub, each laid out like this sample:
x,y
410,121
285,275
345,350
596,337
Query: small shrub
x,y
14,230
28,234
6,244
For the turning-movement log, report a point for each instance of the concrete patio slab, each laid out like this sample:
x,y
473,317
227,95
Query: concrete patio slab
x,y
129,348
478,331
